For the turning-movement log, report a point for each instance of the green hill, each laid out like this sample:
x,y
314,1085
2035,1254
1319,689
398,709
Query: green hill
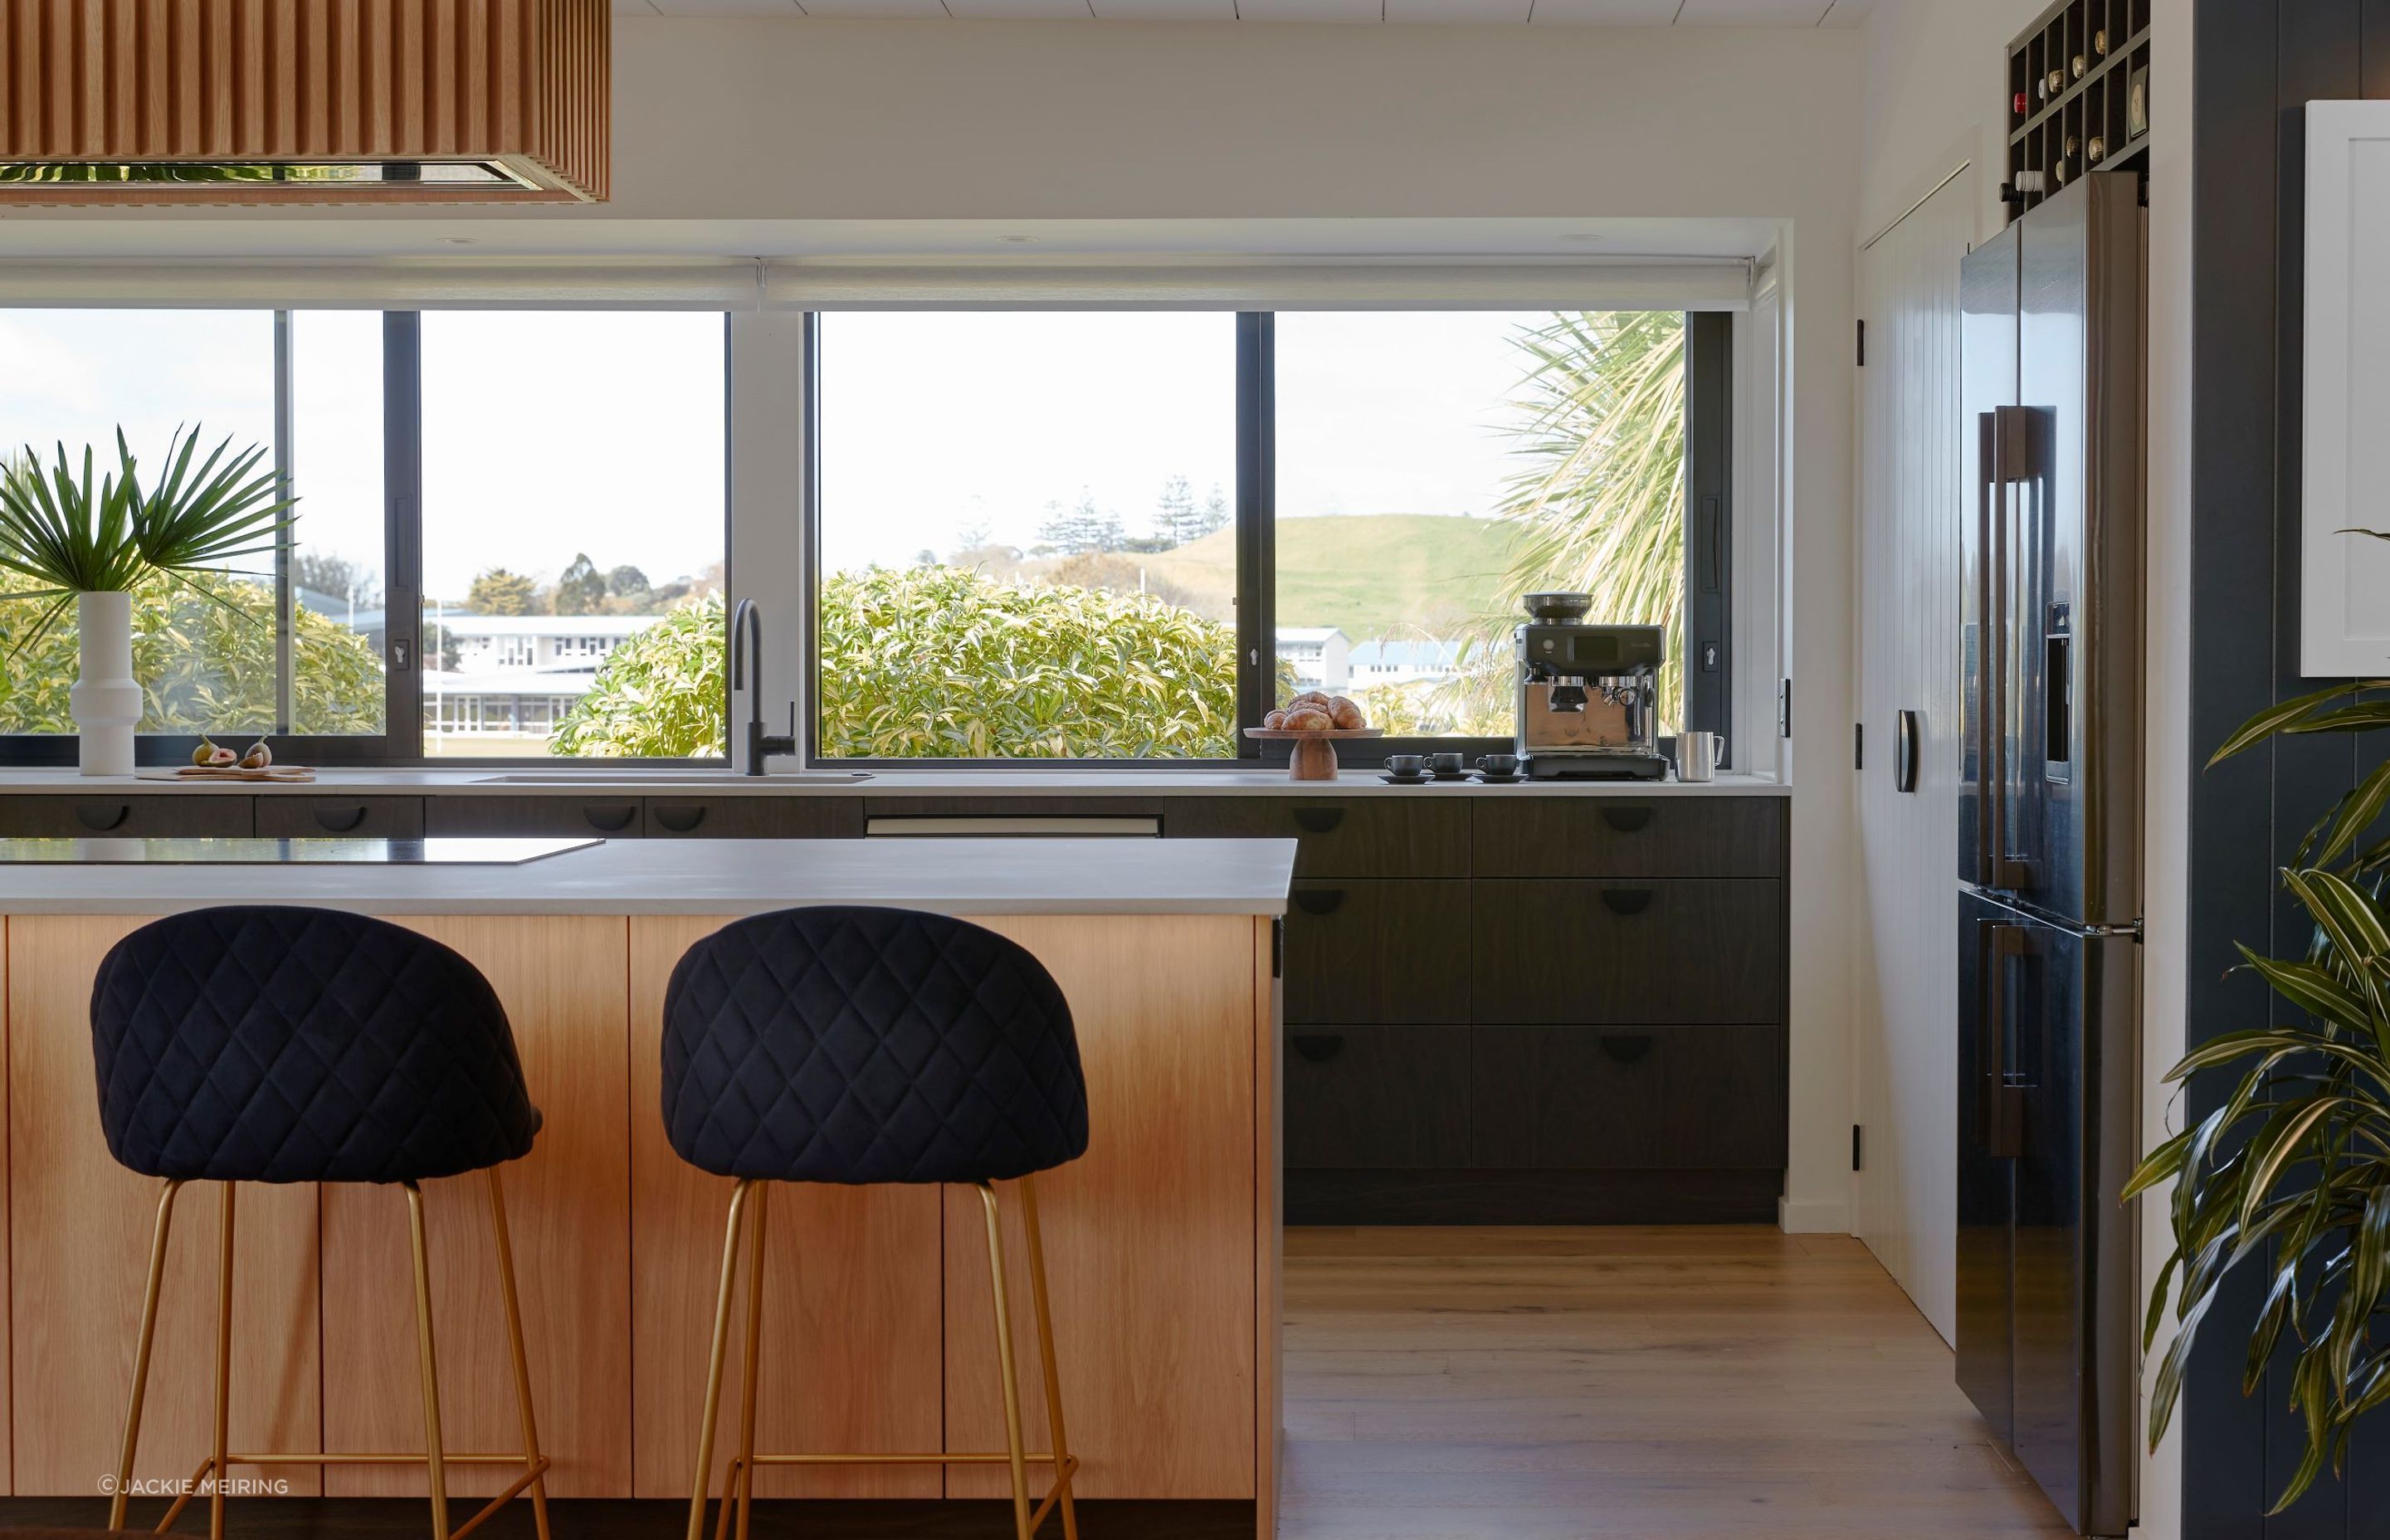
x,y
1371,575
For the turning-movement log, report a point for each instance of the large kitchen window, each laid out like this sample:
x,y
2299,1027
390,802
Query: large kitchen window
x,y
1097,536
510,539
1026,543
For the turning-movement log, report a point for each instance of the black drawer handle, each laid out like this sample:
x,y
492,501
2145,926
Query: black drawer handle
x,y
331,822
1627,900
1319,820
1319,901
611,820
1318,1047
680,820
1625,1048
1627,820
100,818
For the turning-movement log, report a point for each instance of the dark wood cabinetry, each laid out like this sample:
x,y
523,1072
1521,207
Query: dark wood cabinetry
x,y
753,818
155,815
1377,951
1392,837
1626,1098
1668,950
293,817
615,818
1621,837
1377,1097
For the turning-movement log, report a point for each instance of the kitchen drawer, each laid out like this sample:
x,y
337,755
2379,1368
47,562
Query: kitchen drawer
x,y
615,818
1667,951
1684,836
80,816
290,817
754,818
1385,952
1377,1097
1626,1098
1359,836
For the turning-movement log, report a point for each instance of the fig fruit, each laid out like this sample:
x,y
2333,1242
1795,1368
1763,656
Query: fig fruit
x,y
258,757
222,756
206,753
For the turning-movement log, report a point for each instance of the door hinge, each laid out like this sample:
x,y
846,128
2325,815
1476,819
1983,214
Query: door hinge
x,y
1862,344
1855,1146
1859,745
1784,707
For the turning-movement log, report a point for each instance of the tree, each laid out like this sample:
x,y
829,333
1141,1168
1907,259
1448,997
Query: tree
x,y
204,665
333,575
627,582
500,592
1081,528
935,663
1215,512
580,588
1175,517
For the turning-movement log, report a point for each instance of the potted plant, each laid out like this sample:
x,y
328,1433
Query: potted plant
x,y
2291,1173
89,547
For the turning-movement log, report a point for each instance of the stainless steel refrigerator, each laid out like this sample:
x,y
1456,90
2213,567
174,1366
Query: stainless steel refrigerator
x,y
2049,859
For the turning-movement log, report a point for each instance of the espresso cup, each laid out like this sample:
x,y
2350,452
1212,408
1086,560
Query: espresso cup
x,y
1406,764
1498,765
1448,764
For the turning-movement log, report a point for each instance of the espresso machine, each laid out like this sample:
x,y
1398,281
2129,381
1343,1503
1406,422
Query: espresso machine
x,y
1587,694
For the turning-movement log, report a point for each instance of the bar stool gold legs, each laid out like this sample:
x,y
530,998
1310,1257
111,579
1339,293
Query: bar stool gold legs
x,y
212,1474
747,1212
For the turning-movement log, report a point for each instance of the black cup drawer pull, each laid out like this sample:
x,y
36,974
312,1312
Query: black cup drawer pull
x,y
1318,820
680,820
1319,901
99,817
1318,1047
332,821
1627,820
1625,1048
611,820
1627,900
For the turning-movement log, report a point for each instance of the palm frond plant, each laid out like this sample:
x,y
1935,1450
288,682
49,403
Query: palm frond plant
x,y
2291,1173
61,536
1598,427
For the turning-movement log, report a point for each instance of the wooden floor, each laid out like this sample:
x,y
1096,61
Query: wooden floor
x,y
1548,1384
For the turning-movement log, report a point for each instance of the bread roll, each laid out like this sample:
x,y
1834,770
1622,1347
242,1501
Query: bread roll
x,y
1274,721
1308,698
1308,718
1347,713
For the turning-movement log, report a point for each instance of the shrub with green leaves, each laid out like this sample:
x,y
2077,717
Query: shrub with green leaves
x,y
203,651
938,664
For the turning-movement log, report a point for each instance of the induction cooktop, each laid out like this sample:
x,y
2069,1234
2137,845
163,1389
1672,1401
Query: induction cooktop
x,y
284,853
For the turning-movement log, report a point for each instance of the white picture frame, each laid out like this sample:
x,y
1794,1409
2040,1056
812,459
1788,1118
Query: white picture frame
x,y
2345,578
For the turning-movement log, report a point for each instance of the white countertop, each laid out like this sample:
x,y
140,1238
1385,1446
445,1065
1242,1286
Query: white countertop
x,y
1048,782
716,877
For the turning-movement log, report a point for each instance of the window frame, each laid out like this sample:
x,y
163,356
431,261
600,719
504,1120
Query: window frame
x,y
402,741
1709,450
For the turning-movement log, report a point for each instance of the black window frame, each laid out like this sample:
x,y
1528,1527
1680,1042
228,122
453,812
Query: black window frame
x,y
401,743
1706,504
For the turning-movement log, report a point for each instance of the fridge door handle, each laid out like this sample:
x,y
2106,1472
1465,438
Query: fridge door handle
x,y
2012,459
1987,646
2000,1103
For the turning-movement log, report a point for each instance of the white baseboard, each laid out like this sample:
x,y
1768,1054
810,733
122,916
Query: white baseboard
x,y
1814,1216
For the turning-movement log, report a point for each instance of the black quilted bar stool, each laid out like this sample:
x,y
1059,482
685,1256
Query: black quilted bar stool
x,y
285,1045
861,1045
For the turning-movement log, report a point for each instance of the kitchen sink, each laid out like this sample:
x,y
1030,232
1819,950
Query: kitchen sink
x,y
616,779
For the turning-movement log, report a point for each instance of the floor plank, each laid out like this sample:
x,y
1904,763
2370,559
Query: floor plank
x,y
1568,1384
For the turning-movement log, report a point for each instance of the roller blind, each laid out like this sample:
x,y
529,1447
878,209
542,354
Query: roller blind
x,y
735,284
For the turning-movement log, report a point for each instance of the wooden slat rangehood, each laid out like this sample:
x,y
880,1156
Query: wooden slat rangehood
x,y
304,101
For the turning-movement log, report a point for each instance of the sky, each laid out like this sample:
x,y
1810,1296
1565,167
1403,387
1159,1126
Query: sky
x,y
549,434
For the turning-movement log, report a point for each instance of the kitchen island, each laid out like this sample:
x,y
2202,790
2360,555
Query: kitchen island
x,y
1162,1242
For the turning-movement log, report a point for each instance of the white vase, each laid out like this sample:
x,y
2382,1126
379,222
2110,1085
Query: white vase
x,y
107,699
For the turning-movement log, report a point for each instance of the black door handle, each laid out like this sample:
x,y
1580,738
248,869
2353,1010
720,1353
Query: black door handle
x,y
100,818
329,823
1627,900
1318,901
609,820
1318,1047
1905,753
680,820
1625,1048
1318,820
1627,820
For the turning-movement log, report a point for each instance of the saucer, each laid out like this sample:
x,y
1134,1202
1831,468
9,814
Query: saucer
x,y
1449,775
1393,780
1489,778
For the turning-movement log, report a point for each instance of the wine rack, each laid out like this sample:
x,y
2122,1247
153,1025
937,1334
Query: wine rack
x,y
2079,97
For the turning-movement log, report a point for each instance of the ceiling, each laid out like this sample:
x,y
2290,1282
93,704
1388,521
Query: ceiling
x,y
1566,13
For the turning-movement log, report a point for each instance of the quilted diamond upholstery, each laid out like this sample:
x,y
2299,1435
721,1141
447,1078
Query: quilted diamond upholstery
x,y
870,1044
262,1044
